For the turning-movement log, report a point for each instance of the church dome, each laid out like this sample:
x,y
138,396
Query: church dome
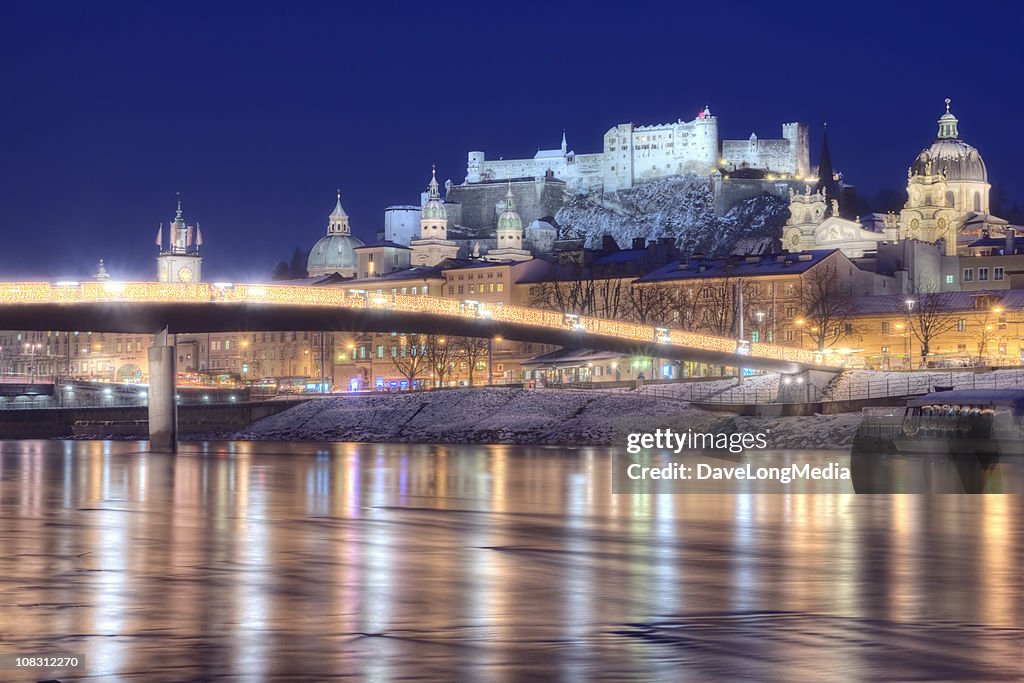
x,y
509,219
950,155
333,254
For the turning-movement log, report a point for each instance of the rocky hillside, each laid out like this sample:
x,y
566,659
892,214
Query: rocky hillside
x,y
680,207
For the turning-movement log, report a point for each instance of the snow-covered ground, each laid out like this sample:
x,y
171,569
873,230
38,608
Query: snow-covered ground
x,y
678,207
535,417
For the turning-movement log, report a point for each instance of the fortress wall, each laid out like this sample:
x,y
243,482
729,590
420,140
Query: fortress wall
x,y
730,192
776,155
534,199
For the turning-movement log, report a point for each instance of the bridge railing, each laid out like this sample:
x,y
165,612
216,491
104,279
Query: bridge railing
x,y
162,292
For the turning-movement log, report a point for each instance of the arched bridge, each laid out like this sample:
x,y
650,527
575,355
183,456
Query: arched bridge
x,y
149,307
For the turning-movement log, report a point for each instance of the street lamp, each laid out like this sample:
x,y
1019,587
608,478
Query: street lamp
x,y
910,328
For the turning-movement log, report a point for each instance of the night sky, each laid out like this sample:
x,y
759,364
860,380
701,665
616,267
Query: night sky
x,y
256,113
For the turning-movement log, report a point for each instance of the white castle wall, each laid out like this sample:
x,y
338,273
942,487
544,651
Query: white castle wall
x,y
636,154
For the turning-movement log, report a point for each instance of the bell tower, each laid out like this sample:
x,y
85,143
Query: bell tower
x,y
179,261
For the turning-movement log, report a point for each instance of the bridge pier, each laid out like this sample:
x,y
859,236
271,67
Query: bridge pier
x,y
163,407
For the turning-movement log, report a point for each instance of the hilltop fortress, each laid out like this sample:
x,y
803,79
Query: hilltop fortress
x,y
636,154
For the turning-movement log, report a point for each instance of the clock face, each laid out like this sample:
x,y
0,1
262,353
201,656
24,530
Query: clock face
x,y
185,274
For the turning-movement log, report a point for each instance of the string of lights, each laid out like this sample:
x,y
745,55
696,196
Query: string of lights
x,y
292,295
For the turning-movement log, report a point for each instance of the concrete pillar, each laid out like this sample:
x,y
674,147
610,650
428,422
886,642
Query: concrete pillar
x,y
163,408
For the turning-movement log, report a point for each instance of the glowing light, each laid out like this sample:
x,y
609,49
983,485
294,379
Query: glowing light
x,y
291,295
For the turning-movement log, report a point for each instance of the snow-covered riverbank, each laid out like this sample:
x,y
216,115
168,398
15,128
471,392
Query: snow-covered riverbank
x,y
572,418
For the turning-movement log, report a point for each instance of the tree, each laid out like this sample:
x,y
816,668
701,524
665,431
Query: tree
x,y
929,319
281,271
983,335
650,305
827,304
577,289
297,267
473,349
441,356
410,358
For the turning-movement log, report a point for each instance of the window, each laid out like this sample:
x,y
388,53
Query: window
x,y
848,330
451,289
790,335
961,325
461,287
755,336
380,350
501,286
997,273
982,274
968,274
961,348
885,327
885,349
949,279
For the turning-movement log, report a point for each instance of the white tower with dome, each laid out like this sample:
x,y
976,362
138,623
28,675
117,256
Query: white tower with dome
x,y
433,246
947,190
509,233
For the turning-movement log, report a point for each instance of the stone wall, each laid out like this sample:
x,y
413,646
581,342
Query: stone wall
x,y
475,206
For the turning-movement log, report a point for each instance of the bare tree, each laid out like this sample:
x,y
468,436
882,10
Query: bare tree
x,y
827,303
473,350
441,357
983,335
651,304
583,292
929,319
410,358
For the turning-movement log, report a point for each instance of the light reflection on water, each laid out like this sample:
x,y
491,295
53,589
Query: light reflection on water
x,y
264,561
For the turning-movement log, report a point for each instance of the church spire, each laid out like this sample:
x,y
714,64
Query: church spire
x,y
565,145
178,215
826,173
337,222
432,189
947,125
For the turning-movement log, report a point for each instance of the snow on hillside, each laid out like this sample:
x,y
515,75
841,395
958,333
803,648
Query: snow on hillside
x,y
572,418
679,207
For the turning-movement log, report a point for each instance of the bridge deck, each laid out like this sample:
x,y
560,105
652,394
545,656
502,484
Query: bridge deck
x,y
148,307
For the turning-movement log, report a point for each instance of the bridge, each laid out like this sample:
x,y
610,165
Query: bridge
x,y
154,307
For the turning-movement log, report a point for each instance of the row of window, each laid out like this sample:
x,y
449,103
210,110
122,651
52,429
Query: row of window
x,y
477,289
997,274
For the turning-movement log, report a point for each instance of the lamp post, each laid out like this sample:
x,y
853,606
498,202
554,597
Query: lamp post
x,y
31,350
910,330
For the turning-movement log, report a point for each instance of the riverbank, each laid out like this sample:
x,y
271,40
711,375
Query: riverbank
x,y
518,416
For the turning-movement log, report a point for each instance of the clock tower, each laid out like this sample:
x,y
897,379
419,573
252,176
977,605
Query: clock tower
x,y
180,261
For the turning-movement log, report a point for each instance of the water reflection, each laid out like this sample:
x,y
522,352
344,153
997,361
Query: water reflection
x,y
303,561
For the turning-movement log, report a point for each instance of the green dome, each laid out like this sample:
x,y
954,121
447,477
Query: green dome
x,y
510,220
333,254
434,210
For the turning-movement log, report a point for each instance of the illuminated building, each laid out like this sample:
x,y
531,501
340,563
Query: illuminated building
x,y
180,260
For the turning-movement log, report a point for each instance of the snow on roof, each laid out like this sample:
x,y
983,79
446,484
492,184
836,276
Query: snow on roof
x,y
383,243
696,268
949,301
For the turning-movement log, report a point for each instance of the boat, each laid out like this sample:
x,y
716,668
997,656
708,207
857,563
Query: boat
x,y
957,441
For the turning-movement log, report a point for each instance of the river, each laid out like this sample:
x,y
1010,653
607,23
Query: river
x,y
299,561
